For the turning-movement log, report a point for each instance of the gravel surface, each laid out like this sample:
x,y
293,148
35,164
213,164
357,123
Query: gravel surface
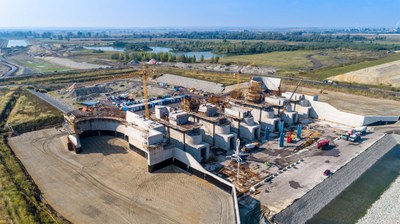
x,y
255,70
191,83
109,183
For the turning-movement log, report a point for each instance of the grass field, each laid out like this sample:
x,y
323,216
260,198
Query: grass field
x,y
93,58
32,113
19,201
293,61
5,96
37,65
284,60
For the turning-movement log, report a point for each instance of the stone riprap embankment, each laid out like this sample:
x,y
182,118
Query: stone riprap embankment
x,y
311,203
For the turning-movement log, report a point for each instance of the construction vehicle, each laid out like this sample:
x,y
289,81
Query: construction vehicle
x,y
355,134
310,139
322,91
323,144
249,147
327,173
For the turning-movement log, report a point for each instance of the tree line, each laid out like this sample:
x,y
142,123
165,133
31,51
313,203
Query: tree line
x,y
160,56
256,47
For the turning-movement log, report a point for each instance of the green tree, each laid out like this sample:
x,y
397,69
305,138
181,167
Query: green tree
x,y
202,58
170,58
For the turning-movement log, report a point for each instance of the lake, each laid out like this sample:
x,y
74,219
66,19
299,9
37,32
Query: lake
x,y
17,43
353,203
104,48
206,54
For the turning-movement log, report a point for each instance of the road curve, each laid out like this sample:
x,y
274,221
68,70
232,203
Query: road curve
x,y
13,68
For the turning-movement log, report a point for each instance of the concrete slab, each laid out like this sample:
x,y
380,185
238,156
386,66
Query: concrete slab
x,y
295,182
108,183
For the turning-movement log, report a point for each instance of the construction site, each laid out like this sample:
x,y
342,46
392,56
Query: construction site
x,y
243,155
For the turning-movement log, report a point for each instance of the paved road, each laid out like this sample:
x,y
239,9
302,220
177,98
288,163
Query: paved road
x,y
65,108
13,68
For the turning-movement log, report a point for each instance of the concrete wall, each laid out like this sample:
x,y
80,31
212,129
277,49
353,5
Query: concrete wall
x,y
325,111
159,155
303,111
316,199
177,138
369,119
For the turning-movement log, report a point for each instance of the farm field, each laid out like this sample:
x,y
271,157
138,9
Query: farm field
x,y
30,113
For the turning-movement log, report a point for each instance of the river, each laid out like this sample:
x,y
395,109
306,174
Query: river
x,y
353,203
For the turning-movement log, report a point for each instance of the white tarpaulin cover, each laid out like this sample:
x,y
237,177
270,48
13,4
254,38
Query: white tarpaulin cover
x,y
273,84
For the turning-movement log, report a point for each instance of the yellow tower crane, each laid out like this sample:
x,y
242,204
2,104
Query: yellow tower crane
x,y
238,80
145,92
238,85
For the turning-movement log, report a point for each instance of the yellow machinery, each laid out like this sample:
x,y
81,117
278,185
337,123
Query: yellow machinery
x,y
145,92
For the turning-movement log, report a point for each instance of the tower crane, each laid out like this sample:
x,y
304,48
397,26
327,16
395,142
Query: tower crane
x,y
145,92
238,80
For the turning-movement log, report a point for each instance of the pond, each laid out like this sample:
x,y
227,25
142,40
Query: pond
x,y
17,43
206,54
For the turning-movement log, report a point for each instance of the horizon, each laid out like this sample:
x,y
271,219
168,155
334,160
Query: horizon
x,y
125,14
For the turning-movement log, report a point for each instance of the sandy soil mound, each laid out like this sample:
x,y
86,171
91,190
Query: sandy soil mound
x,y
386,74
72,64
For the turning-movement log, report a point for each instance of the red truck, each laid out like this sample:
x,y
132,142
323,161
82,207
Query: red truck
x,y
323,144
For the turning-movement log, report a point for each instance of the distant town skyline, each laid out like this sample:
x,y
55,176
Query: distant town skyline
x,y
207,13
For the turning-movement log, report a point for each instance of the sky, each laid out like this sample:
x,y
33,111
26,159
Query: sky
x,y
199,13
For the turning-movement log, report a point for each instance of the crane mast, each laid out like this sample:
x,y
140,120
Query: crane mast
x,y
145,92
238,85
